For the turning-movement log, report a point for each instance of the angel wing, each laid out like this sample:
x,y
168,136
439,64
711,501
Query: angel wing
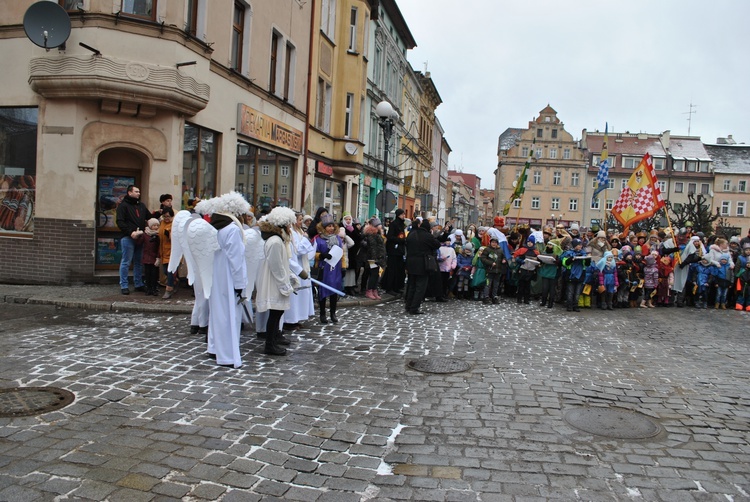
x,y
254,256
178,240
202,244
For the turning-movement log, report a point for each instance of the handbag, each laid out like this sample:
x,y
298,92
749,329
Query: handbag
x,y
430,263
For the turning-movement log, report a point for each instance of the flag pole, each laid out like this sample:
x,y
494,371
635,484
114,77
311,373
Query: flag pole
x,y
604,223
674,236
518,214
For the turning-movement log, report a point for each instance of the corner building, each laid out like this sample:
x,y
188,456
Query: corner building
x,y
186,97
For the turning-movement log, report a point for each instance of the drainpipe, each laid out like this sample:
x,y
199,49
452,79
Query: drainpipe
x,y
307,106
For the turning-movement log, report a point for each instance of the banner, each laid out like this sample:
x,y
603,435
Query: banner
x,y
602,177
641,197
520,182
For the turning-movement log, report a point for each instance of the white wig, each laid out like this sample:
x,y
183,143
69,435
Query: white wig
x,y
281,217
230,203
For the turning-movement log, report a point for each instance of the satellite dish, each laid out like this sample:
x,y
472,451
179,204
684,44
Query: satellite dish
x,y
46,24
351,148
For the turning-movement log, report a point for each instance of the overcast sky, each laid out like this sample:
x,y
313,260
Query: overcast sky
x,y
637,64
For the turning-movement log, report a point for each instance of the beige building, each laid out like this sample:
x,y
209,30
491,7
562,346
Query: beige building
x,y
187,97
554,188
731,166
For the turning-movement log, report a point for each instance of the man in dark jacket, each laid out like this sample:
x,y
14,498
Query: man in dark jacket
x,y
420,244
132,216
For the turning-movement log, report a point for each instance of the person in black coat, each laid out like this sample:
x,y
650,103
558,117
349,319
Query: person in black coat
x,y
395,239
419,245
312,230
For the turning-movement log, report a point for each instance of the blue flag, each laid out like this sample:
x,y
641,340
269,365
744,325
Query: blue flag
x,y
602,177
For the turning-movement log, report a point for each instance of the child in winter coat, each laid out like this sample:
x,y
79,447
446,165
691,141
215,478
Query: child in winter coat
x,y
463,270
548,272
590,285
447,264
573,262
608,282
650,280
495,266
722,276
525,257
150,241
702,274
666,281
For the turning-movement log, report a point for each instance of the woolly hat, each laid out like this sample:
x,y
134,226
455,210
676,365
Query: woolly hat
x,y
574,226
307,217
346,213
281,217
327,220
531,239
375,221
725,256
734,240
164,197
746,245
399,212
650,260
498,221
468,246
638,250
152,221
601,234
576,243
494,239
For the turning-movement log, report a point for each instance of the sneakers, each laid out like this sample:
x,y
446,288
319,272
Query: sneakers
x,y
125,291
167,295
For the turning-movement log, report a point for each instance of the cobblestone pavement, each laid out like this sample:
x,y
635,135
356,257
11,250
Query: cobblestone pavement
x,y
344,417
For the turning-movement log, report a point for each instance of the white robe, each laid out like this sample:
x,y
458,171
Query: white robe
x,y
681,273
225,314
301,305
273,287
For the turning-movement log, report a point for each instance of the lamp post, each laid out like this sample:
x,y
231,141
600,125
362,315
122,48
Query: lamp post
x,y
455,189
387,117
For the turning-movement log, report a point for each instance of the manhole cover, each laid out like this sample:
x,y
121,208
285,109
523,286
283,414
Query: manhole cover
x,y
439,365
27,401
613,423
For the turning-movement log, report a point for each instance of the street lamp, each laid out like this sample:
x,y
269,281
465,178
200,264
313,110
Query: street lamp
x,y
455,189
387,118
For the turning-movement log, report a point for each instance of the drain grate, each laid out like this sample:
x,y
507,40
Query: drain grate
x,y
439,365
612,423
28,401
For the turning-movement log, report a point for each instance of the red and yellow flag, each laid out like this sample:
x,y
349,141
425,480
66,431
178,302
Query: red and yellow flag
x,y
641,197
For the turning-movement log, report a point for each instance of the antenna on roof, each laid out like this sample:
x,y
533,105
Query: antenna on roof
x,y
690,115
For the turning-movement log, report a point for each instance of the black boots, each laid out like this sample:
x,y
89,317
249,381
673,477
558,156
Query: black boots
x,y
272,346
334,300
322,305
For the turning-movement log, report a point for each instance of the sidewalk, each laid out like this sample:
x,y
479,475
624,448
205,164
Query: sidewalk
x,y
108,297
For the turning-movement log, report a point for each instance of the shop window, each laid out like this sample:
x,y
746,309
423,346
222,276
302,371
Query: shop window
x,y
139,8
198,163
272,168
71,4
18,132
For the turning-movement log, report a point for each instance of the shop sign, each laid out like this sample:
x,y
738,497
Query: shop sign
x,y
260,126
368,181
325,169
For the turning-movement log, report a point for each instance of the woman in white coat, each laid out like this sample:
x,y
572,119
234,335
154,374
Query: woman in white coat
x,y
275,283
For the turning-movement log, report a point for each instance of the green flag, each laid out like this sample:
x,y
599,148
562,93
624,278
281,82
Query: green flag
x,y
520,182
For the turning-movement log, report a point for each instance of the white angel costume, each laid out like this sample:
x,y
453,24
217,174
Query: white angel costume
x,y
301,305
184,225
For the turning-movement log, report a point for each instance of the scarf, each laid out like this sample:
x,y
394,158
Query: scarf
x,y
150,232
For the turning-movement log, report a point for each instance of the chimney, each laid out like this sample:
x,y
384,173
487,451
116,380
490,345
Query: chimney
x,y
665,139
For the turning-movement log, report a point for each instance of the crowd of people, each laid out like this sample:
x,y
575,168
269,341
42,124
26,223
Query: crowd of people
x,y
287,261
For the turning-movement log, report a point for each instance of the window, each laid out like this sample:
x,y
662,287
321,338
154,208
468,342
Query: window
x,y
284,189
199,160
353,30
328,18
595,203
703,166
555,204
537,177
191,24
554,133
692,166
18,158
535,202
539,153
539,132
556,177
266,188
662,186
573,205
566,154
679,165
594,183
517,203
630,162
323,120
553,153
727,185
623,183
610,204
240,168
610,184
238,33
742,186
275,41
139,8
740,208
525,151
658,164
679,186
691,187
284,171
574,178
265,169
291,56
705,188
726,208
70,4
349,115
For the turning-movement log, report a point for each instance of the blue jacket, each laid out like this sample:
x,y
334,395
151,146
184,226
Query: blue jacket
x,y
575,268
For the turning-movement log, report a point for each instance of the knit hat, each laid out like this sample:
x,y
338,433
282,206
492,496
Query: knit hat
x,y
746,245
399,212
734,240
468,246
531,239
725,256
499,221
601,234
164,197
346,213
638,250
327,220
574,226
152,221
576,242
375,221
